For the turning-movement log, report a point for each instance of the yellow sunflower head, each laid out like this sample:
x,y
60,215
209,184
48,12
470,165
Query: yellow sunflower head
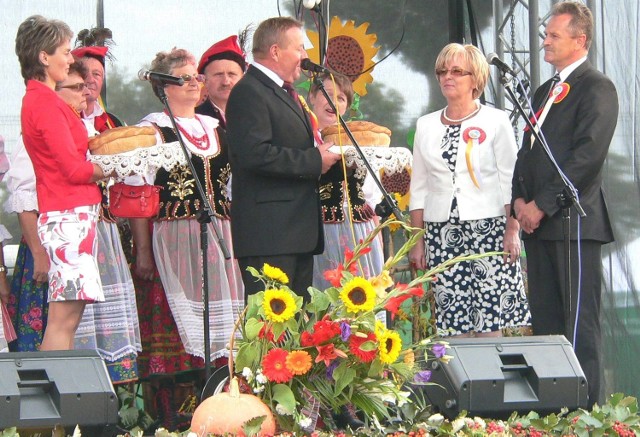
x,y
279,305
350,51
389,346
275,274
358,295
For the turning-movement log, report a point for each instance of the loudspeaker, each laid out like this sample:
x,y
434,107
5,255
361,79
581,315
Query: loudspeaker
x,y
493,377
67,388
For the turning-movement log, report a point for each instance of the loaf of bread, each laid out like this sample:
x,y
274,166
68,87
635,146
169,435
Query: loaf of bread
x,y
364,132
122,139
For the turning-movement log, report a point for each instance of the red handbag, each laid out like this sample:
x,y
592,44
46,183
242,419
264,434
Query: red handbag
x,y
131,201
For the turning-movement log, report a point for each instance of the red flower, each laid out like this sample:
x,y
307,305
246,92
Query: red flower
x,y
274,366
328,353
267,333
334,276
325,330
306,339
355,343
393,305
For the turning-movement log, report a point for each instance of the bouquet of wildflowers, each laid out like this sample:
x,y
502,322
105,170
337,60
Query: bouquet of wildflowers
x,y
332,351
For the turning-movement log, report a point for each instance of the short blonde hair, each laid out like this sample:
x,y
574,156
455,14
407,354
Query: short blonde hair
x,y
475,60
166,62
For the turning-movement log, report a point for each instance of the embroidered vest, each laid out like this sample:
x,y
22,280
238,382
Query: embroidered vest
x,y
180,198
332,192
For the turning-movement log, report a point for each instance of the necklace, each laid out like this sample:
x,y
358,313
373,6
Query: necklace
x,y
460,120
201,142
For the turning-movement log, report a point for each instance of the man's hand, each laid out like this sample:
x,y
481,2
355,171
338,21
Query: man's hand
x,y
328,158
528,215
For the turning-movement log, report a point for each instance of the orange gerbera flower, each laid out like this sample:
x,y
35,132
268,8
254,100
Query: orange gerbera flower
x,y
274,366
298,362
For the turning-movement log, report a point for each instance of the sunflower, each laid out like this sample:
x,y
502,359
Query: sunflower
x,y
350,51
298,362
278,305
389,346
274,366
358,295
275,274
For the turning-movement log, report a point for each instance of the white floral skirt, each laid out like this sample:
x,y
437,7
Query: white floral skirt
x,y
69,238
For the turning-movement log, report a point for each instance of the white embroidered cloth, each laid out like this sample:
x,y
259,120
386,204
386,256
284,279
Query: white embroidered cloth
x,y
390,159
141,161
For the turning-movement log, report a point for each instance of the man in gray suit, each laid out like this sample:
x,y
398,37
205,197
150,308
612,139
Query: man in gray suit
x,y
578,124
275,212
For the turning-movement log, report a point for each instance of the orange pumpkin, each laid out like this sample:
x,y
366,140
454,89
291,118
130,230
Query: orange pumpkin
x,y
227,413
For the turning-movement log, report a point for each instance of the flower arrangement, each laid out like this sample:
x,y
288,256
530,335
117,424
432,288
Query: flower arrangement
x,y
332,350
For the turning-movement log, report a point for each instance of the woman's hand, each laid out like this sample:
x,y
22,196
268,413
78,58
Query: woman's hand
x,y
4,288
41,265
145,266
511,241
417,256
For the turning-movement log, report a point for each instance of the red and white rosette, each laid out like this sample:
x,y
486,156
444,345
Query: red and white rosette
x,y
473,137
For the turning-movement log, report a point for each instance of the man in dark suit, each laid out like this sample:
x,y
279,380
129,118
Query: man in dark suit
x,y
275,212
578,125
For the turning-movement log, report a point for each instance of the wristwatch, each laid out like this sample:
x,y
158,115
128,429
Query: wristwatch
x,y
3,268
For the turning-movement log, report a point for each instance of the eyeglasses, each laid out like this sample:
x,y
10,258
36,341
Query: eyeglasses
x,y
188,77
75,87
455,72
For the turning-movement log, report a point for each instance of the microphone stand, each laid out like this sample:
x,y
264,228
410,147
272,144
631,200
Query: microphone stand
x,y
565,199
204,216
388,204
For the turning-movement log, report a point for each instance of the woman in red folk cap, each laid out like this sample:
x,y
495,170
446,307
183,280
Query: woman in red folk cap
x,y
223,64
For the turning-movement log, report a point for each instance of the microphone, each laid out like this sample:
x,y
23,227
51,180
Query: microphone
x,y
493,59
160,77
312,4
306,64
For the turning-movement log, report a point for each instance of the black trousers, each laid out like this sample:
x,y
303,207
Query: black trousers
x,y
298,267
548,297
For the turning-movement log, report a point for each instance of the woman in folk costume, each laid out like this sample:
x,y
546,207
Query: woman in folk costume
x,y
171,309
344,202
114,328
7,333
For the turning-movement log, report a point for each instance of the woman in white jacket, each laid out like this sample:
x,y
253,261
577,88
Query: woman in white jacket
x,y
463,159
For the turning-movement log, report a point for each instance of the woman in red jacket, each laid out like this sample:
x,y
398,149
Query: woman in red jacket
x,y
68,198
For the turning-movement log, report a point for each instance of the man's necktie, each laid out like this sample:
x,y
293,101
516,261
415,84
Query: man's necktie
x,y
544,108
292,93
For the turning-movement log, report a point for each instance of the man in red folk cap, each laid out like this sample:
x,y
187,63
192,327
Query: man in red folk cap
x,y
223,64
93,57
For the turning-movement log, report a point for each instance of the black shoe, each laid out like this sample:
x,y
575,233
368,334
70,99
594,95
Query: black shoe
x,y
347,418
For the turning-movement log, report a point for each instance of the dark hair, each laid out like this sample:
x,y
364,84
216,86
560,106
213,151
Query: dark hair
x,y
79,68
166,62
271,31
581,19
343,83
37,34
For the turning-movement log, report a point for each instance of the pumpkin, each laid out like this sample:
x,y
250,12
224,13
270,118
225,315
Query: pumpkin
x,y
225,413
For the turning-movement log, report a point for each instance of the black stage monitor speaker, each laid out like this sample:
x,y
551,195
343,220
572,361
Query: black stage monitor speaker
x,y
67,388
493,377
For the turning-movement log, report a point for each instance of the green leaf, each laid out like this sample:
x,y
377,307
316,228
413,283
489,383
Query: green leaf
x,y
247,356
252,328
283,395
375,369
590,421
252,426
344,375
